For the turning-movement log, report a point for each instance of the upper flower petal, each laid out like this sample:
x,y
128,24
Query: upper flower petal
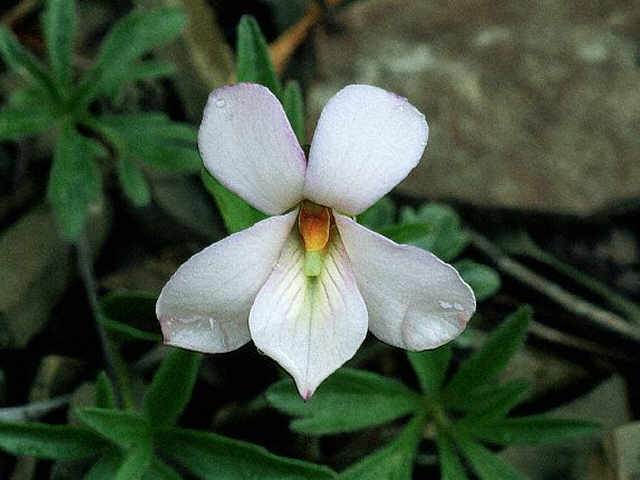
x,y
415,300
205,305
310,326
247,143
367,140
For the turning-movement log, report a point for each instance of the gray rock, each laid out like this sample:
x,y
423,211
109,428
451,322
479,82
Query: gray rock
x,y
532,105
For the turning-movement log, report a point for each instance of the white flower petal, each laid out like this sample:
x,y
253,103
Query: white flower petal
x,y
247,143
367,141
205,305
310,326
415,300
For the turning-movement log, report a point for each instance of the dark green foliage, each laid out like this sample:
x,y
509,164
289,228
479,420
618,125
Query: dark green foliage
x,y
253,63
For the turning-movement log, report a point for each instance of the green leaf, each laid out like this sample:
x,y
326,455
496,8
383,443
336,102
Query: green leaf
x,y
133,182
105,468
130,38
74,181
137,72
348,400
18,122
59,442
18,58
431,367
105,394
451,467
446,238
32,97
152,138
208,455
392,462
485,464
485,364
293,104
161,471
491,402
135,463
381,214
236,213
59,29
171,388
534,429
130,315
126,429
484,280
253,63
409,233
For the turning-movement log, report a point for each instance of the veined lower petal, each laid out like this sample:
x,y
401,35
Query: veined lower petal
x,y
366,142
415,300
247,143
205,305
309,325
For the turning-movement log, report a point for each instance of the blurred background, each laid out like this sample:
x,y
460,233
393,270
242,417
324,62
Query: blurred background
x,y
534,114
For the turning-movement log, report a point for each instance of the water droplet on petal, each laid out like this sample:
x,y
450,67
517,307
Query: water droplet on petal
x,y
458,307
445,305
220,103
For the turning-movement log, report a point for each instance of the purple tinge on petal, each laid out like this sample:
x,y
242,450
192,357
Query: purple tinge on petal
x,y
366,142
310,326
205,305
415,300
248,145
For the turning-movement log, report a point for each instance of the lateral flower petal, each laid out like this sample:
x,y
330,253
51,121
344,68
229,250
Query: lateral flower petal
x,y
415,300
310,326
247,143
367,140
205,305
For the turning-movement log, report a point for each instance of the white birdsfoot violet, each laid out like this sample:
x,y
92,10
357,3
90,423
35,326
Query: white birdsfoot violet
x,y
307,283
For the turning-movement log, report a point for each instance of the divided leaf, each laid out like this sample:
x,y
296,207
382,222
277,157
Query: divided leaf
x,y
348,400
236,213
133,182
126,429
293,104
484,280
381,214
17,122
59,22
58,442
491,402
208,455
253,63
105,394
171,388
431,367
135,463
485,364
486,464
451,467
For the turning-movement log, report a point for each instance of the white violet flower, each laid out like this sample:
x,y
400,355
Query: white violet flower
x,y
307,283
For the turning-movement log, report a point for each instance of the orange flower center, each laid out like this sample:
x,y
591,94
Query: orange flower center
x,y
314,223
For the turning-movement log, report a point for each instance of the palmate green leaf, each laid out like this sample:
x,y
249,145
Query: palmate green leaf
x,y
381,214
137,72
431,367
293,105
59,22
151,138
171,388
485,364
408,233
74,181
133,182
253,63
105,393
208,455
31,97
236,213
451,467
130,38
126,429
491,402
106,467
392,462
16,122
446,238
58,442
161,471
130,315
484,280
348,400
534,429
486,464
19,59
135,462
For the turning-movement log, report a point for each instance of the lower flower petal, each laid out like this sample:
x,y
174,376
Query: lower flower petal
x,y
205,305
309,325
415,300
